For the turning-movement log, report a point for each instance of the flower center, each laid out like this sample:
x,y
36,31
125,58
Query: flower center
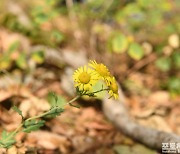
x,y
102,70
114,87
84,77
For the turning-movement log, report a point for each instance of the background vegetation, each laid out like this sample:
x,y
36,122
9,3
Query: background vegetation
x,y
137,39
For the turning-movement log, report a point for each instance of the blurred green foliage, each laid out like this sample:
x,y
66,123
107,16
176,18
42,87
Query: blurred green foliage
x,y
14,55
38,14
120,27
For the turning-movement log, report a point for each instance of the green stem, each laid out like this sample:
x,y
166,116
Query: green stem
x,y
39,116
14,132
74,99
97,91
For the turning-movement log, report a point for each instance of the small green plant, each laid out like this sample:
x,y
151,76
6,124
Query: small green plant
x,y
38,13
84,79
14,56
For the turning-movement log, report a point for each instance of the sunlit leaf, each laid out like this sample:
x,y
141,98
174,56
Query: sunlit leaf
x,y
135,51
56,100
98,86
38,57
119,43
32,125
21,61
164,64
5,62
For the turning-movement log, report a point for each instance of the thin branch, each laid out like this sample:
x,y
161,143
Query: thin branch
x,y
117,112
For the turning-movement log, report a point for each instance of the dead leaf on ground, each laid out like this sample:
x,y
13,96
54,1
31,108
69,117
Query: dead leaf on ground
x,y
48,140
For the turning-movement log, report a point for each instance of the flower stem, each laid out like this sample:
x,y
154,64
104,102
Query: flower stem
x,y
74,99
89,94
39,116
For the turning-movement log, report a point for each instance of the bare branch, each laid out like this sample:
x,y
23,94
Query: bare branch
x,y
117,113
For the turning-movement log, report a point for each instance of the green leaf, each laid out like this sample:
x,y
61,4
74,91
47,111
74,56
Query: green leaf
x,y
98,86
15,108
51,2
176,59
119,43
174,85
41,18
52,99
57,36
7,139
32,125
135,51
54,112
144,3
5,62
21,61
56,100
14,46
38,57
164,64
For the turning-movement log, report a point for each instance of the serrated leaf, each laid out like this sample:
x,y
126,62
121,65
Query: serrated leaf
x,y
119,43
164,64
135,51
61,102
7,139
54,112
33,122
56,100
52,99
31,128
32,125
4,134
15,108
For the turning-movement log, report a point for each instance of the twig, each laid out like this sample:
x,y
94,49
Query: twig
x,y
141,64
117,112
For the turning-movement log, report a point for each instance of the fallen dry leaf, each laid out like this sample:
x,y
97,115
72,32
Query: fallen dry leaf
x,y
48,140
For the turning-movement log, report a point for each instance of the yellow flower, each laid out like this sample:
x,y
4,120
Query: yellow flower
x,y
101,69
113,88
85,78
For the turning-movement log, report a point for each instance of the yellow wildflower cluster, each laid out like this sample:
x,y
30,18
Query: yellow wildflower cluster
x,y
85,77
